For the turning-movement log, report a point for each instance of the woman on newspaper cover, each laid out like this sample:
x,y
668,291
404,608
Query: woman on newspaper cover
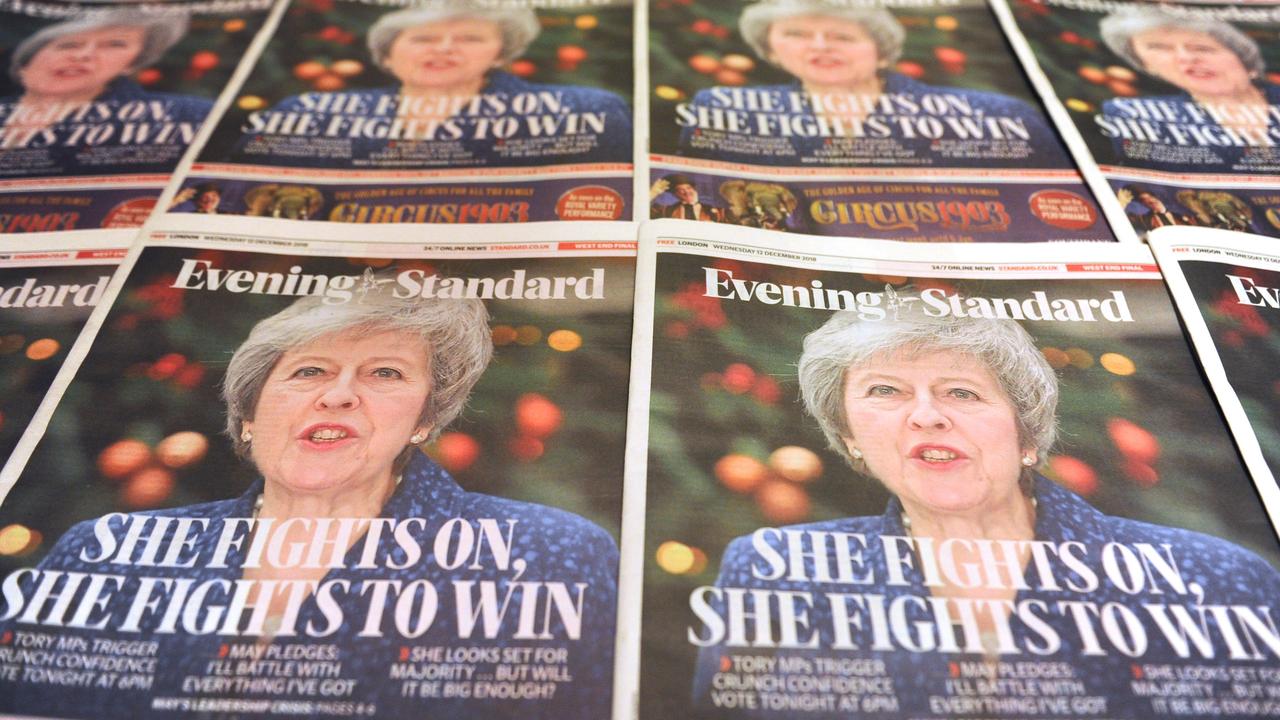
x,y
75,77
452,96
978,559
849,104
354,547
1223,115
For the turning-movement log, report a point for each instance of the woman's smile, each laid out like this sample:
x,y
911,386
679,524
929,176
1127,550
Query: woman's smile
x,y
326,436
72,71
937,456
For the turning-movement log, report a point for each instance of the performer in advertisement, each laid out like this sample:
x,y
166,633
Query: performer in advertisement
x,y
79,72
331,403
1224,93
841,59
688,205
204,198
1157,214
447,59
953,415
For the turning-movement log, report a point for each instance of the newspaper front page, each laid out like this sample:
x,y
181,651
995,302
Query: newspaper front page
x,y
931,482
1223,284
1169,107
448,111
296,476
101,99
900,120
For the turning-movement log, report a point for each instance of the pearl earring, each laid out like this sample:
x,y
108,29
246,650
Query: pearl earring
x,y
1028,461
246,435
857,454
416,439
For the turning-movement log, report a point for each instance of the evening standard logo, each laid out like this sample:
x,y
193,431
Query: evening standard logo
x,y
408,284
32,294
1250,293
933,302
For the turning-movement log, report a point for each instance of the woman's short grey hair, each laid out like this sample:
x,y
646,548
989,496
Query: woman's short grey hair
x,y
885,30
161,32
456,332
1118,29
846,342
519,26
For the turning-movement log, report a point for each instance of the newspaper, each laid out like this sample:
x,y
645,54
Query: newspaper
x,y
49,283
1169,108
916,543
897,119
449,111
1221,282
227,506
101,100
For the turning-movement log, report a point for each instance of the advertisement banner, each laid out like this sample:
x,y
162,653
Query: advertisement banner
x,y
507,99
762,110
101,100
954,481
1170,106
296,476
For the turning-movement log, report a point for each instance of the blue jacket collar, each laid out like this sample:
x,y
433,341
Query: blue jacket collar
x,y
1060,514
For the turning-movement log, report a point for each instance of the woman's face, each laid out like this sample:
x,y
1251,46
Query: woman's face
x,y
446,54
824,51
80,65
336,412
1194,61
937,429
